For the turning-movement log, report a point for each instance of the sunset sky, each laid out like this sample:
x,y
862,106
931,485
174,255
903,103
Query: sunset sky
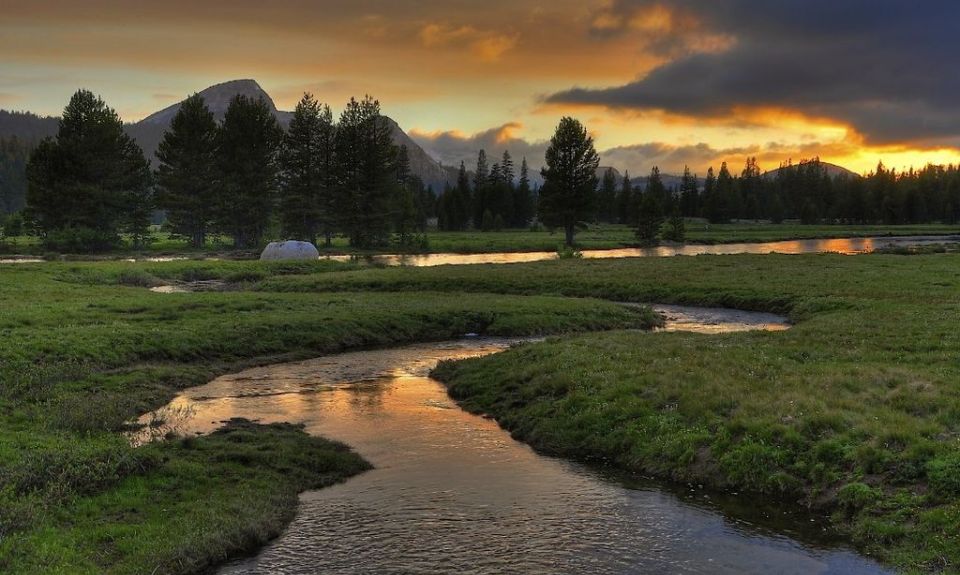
x,y
670,83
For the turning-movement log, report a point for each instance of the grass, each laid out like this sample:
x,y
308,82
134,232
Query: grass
x,y
85,349
854,411
600,236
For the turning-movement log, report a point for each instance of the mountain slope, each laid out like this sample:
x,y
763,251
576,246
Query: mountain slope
x,y
149,131
833,170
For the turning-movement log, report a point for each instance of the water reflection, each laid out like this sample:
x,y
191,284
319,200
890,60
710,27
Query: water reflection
x,y
845,246
453,493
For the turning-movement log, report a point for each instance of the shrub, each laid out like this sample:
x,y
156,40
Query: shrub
x,y
80,240
944,475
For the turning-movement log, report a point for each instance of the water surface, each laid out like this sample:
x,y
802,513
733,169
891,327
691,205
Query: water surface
x,y
453,493
845,246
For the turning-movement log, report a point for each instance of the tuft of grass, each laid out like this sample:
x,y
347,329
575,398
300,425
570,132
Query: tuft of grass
x,y
204,500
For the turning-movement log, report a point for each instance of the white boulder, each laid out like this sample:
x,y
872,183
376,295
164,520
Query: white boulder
x,y
289,251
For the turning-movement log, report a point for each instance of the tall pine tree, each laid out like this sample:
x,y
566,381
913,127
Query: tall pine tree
x,y
568,196
248,143
366,173
186,175
91,182
305,190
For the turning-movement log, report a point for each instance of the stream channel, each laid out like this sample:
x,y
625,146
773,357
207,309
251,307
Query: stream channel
x,y
452,492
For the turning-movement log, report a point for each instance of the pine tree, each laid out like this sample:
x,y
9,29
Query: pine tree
x,y
462,200
607,197
712,209
658,192
626,202
366,169
676,229
91,182
568,196
186,175
480,201
406,212
524,204
304,172
247,148
689,194
649,220
650,209
727,195
506,168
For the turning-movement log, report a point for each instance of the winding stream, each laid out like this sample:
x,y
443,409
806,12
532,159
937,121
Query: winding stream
x,y
453,493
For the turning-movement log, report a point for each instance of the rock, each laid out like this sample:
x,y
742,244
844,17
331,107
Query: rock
x,y
289,251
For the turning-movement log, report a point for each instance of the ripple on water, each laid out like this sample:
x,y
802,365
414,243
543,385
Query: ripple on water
x,y
453,493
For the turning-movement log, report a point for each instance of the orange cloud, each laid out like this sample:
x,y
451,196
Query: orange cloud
x,y
486,46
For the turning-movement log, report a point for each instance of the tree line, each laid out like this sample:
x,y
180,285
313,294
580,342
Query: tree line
x,y
238,177
806,192
246,177
491,198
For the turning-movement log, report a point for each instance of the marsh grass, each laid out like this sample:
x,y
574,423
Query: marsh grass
x,y
854,411
86,348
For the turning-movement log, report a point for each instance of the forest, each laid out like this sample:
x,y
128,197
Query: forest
x,y
247,177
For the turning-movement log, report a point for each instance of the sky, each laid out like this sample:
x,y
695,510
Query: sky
x,y
668,83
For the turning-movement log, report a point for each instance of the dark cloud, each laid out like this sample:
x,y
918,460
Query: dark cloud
x,y
883,66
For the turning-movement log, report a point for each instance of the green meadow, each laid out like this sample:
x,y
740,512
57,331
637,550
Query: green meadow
x,y
87,348
853,412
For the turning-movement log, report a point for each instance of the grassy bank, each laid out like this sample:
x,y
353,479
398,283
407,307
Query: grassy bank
x,y
85,349
601,236
855,411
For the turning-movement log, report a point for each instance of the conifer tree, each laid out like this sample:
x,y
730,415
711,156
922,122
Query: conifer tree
x,y
607,197
711,207
462,200
650,209
305,178
524,204
568,196
506,168
366,173
727,195
91,182
186,175
689,194
480,200
626,202
676,229
248,143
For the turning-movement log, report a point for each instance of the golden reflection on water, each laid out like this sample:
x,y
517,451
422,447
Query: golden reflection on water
x,y
844,246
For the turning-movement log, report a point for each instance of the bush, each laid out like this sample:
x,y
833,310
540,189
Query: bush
x,y
80,240
14,226
944,475
856,496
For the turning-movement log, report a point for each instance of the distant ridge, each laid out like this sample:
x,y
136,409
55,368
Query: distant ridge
x,y
149,131
833,170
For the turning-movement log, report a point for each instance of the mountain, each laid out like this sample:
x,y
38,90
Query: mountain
x,y
833,170
218,99
149,131
27,127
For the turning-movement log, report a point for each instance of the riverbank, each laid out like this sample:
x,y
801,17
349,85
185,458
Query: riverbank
x,y
86,349
853,410
597,237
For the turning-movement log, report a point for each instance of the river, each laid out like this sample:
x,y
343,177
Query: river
x,y
845,246
451,492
